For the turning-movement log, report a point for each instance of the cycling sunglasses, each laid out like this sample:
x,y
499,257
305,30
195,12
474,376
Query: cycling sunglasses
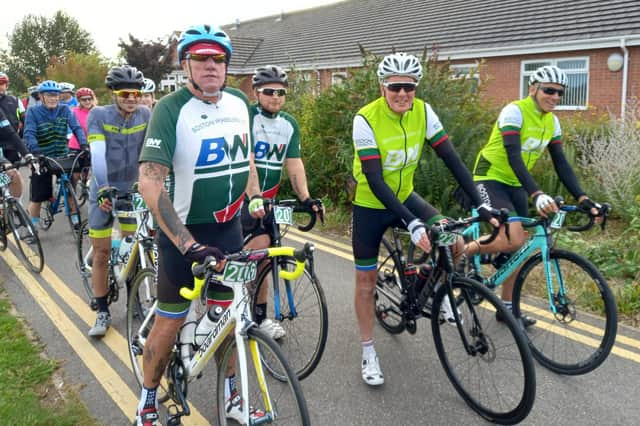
x,y
551,91
397,87
126,93
86,99
218,58
269,91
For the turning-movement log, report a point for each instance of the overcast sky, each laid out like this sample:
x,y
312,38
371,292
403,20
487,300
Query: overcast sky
x,y
110,20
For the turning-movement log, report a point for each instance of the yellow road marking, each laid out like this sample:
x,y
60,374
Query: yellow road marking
x,y
109,378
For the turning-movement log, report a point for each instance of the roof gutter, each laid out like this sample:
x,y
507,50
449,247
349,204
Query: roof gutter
x,y
625,78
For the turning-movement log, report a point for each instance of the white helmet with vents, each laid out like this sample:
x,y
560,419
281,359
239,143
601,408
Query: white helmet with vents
x,y
549,74
401,64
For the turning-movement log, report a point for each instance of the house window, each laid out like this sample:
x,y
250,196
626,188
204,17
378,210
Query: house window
x,y
577,70
467,71
337,78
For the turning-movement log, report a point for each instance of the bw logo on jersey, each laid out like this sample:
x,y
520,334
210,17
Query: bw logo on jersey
x,y
153,143
215,151
264,151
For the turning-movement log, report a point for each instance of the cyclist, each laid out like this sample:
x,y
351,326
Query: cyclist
x,y
148,98
276,144
389,134
502,169
33,99
66,94
199,142
12,148
45,132
12,107
116,133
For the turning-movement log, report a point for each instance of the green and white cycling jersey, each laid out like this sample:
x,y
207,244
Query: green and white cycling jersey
x,y
276,138
536,129
206,147
397,140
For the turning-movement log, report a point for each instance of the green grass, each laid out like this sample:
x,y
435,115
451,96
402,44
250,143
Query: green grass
x,y
28,395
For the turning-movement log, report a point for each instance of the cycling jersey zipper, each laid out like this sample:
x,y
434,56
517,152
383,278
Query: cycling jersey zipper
x,y
404,132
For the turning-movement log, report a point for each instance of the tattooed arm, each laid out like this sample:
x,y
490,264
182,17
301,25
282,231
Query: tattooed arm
x,y
151,187
297,177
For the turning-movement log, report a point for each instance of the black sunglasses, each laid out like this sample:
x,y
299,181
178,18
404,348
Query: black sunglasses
x,y
269,91
218,58
397,87
551,91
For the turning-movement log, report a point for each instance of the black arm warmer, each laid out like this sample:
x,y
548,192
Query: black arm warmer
x,y
373,172
10,140
514,155
565,171
452,160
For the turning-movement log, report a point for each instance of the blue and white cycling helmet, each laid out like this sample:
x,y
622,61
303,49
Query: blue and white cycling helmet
x,y
548,74
204,34
49,86
401,64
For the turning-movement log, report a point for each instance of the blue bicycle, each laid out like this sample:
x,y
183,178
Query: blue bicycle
x,y
64,198
564,291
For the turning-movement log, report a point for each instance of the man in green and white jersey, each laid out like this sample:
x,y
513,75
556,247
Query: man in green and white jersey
x,y
502,171
199,143
276,145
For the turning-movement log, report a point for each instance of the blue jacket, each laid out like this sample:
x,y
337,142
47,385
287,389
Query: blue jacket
x,y
45,130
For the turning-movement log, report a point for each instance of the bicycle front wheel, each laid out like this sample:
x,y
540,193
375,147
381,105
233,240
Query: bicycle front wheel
x,y
270,400
73,209
579,336
302,314
83,253
3,228
141,313
488,363
25,235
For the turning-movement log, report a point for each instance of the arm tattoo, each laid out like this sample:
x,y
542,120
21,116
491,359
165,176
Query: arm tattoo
x,y
169,216
154,171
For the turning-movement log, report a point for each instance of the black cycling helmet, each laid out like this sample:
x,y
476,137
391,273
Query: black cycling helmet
x,y
269,74
124,77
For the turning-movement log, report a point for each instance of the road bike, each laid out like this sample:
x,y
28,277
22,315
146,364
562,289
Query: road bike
x,y
298,305
64,198
123,268
235,342
14,219
488,363
564,291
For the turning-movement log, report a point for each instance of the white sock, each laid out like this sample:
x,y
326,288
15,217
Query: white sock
x,y
368,350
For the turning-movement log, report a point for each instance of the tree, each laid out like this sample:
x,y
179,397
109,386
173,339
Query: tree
x,y
81,70
154,58
36,40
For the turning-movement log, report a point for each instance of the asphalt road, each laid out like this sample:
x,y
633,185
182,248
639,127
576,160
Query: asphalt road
x,y
416,391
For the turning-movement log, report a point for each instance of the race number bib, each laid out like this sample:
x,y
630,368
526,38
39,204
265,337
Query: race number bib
x,y
239,272
283,215
446,239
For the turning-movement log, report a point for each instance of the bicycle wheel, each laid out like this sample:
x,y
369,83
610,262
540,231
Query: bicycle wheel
x,y
82,187
580,335
287,404
388,295
303,315
25,235
74,209
493,370
84,258
46,217
3,229
141,308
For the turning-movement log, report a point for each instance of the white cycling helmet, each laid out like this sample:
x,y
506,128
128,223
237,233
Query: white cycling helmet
x,y
67,87
149,86
548,74
401,64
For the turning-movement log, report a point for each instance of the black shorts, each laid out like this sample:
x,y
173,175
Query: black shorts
x,y
502,196
250,226
41,186
369,226
174,271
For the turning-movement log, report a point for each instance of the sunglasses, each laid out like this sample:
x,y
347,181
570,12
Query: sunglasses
x,y
397,87
218,58
126,93
268,91
85,99
551,91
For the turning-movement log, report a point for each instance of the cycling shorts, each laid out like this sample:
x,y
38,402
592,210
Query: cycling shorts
x,y
41,187
369,226
502,196
251,226
101,222
174,271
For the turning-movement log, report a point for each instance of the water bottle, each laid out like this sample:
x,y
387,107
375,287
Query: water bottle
x,y
115,247
207,323
126,245
410,273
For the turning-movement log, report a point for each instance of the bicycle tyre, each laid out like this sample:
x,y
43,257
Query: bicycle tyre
x,y
141,309
82,188
288,402
389,294
3,228
83,245
306,333
28,245
46,217
554,345
500,358
72,205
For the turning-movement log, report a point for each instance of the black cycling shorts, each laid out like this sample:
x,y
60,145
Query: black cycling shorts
x,y
250,226
41,186
369,226
174,271
502,196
